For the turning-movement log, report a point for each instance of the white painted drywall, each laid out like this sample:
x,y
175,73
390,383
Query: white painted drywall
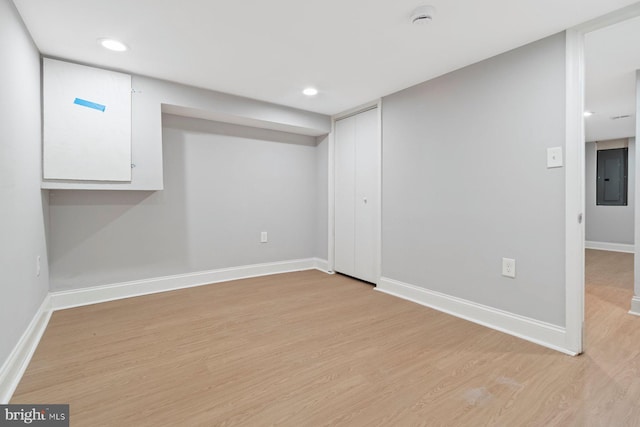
x,y
608,224
224,185
22,233
465,182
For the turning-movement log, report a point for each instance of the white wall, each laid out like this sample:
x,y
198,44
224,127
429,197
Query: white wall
x,y
224,184
22,234
608,224
465,182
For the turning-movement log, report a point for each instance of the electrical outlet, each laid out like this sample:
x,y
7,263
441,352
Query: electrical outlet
x,y
263,237
508,267
38,266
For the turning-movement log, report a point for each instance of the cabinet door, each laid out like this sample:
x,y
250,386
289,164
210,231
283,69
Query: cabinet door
x,y
87,123
345,187
366,200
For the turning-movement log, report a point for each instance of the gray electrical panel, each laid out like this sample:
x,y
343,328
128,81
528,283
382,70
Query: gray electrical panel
x,y
611,184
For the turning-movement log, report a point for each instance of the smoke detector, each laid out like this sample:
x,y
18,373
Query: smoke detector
x,y
423,15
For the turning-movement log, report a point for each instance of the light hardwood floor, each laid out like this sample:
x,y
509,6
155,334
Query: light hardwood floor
x,y
307,349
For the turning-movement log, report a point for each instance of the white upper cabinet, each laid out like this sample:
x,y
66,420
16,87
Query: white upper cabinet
x,y
87,123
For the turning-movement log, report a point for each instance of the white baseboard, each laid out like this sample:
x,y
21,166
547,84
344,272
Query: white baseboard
x,y
635,306
614,247
538,332
97,294
16,364
322,265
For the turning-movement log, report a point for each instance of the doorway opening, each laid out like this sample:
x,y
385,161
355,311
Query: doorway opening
x,y
601,129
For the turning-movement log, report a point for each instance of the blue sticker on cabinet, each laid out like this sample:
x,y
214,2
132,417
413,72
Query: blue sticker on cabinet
x,y
89,104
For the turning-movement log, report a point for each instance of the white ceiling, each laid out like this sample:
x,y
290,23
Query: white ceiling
x,y
612,57
353,51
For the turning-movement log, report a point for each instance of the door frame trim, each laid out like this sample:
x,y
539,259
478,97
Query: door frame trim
x,y
575,173
574,192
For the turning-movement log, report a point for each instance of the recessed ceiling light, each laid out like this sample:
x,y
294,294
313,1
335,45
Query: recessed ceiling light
x,y
588,113
310,91
113,45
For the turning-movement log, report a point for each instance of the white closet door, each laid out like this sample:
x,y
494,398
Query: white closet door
x,y
356,195
366,203
345,188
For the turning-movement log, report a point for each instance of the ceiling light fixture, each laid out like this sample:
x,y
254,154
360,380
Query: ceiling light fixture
x,y
114,45
423,15
310,91
588,113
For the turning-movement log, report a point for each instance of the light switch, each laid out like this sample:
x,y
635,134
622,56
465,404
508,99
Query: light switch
x,y
554,157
